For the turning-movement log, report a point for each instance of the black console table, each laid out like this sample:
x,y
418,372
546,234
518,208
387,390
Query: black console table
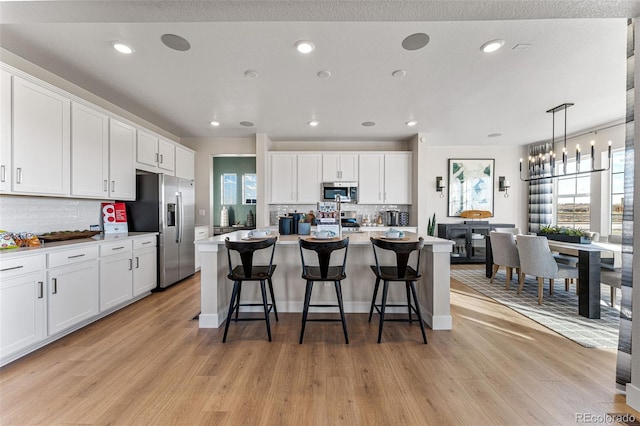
x,y
470,245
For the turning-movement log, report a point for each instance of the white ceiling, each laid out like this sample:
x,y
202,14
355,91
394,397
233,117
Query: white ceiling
x,y
458,94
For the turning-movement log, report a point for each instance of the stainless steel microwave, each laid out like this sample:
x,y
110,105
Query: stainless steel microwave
x,y
348,191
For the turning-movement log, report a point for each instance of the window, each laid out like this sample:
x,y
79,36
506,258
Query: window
x,y
249,189
574,200
229,184
617,191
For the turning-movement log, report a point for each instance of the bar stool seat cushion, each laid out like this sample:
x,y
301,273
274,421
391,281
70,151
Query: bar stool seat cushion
x,y
334,273
257,273
390,273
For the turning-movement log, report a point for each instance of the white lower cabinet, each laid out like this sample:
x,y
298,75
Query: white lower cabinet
x,y
48,295
73,294
23,304
116,276
201,233
145,271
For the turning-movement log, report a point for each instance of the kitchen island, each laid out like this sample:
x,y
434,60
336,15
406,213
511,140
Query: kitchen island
x,y
357,288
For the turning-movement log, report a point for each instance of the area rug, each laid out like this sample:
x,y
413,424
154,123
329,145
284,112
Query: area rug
x,y
558,312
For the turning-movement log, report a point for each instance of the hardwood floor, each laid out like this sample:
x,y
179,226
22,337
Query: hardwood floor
x,y
150,364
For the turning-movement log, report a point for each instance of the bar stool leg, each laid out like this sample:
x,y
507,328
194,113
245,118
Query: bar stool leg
x,y
344,321
273,299
373,301
237,307
305,310
385,288
234,293
266,307
415,299
406,284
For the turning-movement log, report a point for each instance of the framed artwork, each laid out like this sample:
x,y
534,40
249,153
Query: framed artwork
x,y
470,185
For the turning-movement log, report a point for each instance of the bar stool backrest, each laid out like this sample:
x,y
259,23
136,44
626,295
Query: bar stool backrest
x,y
246,250
403,250
324,250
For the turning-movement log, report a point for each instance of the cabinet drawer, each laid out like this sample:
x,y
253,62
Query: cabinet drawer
x,y
149,241
202,233
115,248
21,265
71,256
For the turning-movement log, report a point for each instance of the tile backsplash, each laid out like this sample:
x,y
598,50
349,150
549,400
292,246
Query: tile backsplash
x,y
43,214
372,210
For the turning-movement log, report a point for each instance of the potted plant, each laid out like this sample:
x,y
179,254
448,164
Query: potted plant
x,y
566,234
431,226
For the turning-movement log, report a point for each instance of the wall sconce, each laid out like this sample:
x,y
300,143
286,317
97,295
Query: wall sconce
x,y
440,186
503,186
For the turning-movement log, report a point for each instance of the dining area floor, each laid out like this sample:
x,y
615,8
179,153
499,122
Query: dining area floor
x,y
149,363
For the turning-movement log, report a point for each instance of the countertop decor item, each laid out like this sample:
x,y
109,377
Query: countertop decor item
x,y
224,216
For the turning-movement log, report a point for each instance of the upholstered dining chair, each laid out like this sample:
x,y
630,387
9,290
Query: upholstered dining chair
x,y
537,260
505,253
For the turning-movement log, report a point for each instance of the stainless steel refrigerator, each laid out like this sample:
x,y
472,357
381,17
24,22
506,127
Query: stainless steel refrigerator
x,y
166,204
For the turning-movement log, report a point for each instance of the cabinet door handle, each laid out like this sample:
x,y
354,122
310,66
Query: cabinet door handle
x,y
9,269
147,242
3,171
137,262
54,282
19,175
105,185
40,289
130,264
113,186
156,157
161,159
117,248
73,257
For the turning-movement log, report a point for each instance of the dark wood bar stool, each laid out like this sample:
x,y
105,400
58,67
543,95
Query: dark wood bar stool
x,y
323,272
402,272
248,272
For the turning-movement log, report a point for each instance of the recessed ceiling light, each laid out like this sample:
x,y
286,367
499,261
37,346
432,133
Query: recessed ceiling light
x,y
313,123
246,123
175,42
398,73
494,135
324,74
411,123
251,74
415,41
492,46
304,46
122,48
368,124
215,123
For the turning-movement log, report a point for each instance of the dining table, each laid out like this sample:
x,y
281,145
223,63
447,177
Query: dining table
x,y
589,265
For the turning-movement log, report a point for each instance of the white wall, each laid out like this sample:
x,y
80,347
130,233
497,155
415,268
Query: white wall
x,y
435,163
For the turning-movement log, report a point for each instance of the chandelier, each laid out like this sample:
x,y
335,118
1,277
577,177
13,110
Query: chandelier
x,y
543,165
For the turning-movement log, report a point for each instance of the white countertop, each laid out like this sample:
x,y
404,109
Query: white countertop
x,y
61,245
355,238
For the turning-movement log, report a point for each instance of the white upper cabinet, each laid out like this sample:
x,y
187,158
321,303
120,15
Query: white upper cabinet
x,y
5,131
41,140
147,149
154,154
295,178
385,178
340,167
371,178
185,162
284,172
89,152
309,178
122,173
166,156
397,178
